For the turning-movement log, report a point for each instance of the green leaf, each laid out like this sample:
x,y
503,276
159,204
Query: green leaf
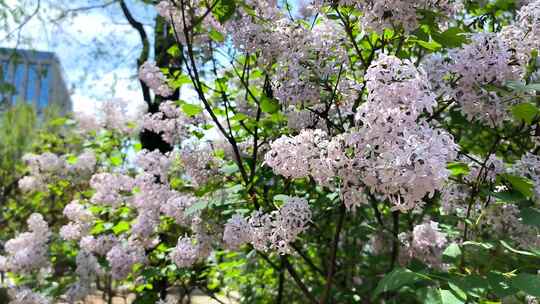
x,y
521,184
451,38
448,297
529,283
525,112
530,216
519,86
396,279
500,285
224,9
457,169
269,105
120,227
281,197
216,36
429,295
522,252
196,207
430,45
508,196
191,109
451,252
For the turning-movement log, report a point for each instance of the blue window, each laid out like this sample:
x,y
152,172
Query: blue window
x,y
5,71
4,81
31,83
18,82
45,79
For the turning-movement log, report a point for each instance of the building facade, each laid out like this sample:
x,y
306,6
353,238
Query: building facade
x,y
33,77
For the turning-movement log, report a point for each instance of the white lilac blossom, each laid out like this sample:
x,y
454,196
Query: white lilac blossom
x,y
389,14
85,163
154,163
301,156
426,243
32,184
529,166
45,164
170,122
87,269
472,75
123,256
185,253
176,206
236,232
503,220
152,76
99,245
522,35
23,295
110,188
485,171
28,251
116,117
199,164
274,231
194,14
394,152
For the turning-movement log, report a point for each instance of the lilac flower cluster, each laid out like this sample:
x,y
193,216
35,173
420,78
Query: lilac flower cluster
x,y
28,251
170,122
395,151
426,243
152,76
392,14
273,231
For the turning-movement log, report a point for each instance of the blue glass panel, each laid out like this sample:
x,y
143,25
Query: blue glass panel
x,y
4,79
18,82
5,71
31,84
46,76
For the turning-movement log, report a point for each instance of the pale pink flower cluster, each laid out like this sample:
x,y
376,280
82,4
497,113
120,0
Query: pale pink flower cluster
x,y
529,166
28,251
195,13
152,76
473,76
110,188
256,33
170,122
154,163
116,116
394,151
307,57
485,172
99,245
189,250
199,163
123,256
87,269
273,231
176,206
483,63
48,167
504,220
399,154
392,14
113,115
426,243
23,295
522,36
80,221
301,119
